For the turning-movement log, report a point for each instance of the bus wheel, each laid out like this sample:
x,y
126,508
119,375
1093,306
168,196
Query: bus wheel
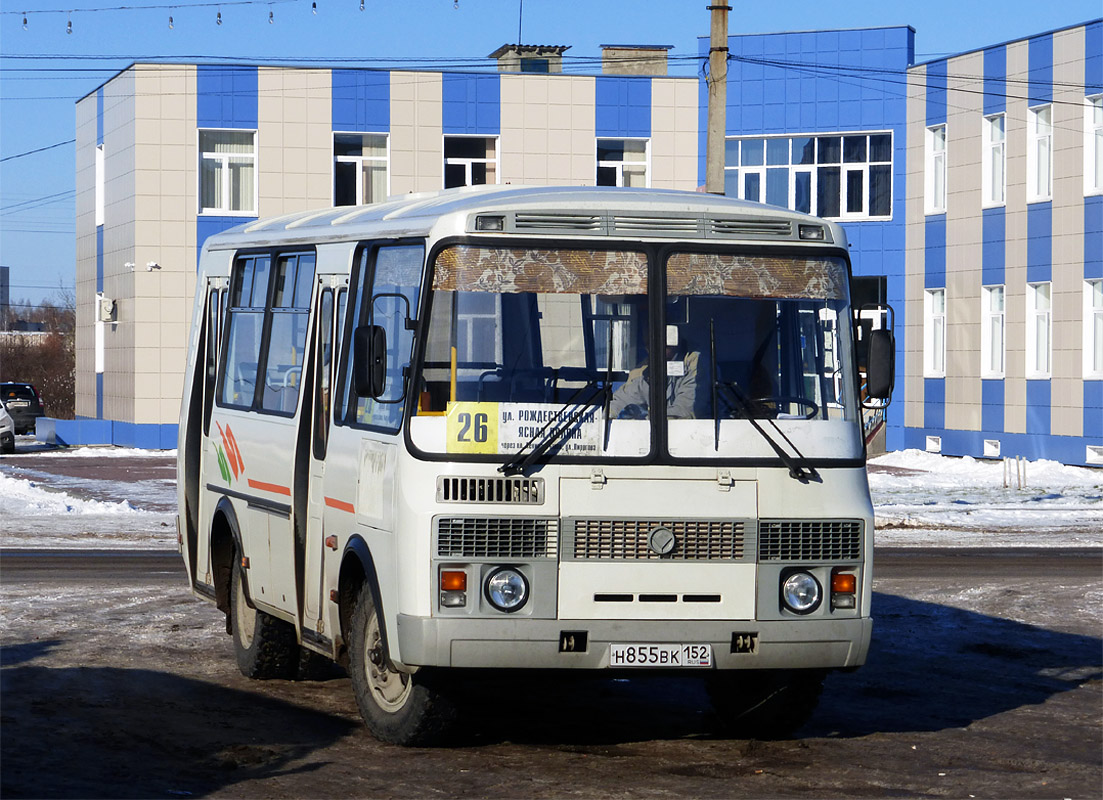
x,y
265,646
398,707
767,704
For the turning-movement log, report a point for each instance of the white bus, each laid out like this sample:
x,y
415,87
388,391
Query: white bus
x,y
565,429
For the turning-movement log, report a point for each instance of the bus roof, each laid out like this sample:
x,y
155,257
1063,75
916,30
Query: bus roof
x,y
565,211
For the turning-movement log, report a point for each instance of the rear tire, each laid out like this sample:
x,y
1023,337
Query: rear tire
x,y
398,707
767,704
265,647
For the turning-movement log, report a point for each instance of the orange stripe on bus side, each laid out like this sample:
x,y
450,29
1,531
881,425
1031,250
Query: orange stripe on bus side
x,y
340,505
275,488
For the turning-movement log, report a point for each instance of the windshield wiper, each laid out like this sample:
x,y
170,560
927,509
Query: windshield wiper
x,y
544,438
734,390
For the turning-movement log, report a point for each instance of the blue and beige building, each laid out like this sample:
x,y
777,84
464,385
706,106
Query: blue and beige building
x,y
971,189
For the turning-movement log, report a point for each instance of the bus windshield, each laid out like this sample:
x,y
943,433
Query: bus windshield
x,y
554,349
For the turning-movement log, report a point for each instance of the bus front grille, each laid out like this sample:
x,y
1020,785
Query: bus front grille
x,y
497,537
526,491
694,540
809,540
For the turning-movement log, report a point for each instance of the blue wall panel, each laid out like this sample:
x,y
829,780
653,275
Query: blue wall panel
x,y
1038,398
471,104
1093,237
994,247
936,92
1039,242
622,106
934,404
207,226
992,406
361,101
226,97
1040,69
934,252
1093,411
995,80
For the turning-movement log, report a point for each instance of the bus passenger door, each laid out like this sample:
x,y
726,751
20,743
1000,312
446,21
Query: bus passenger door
x,y
330,295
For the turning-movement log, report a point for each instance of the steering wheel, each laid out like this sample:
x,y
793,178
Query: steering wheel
x,y
777,401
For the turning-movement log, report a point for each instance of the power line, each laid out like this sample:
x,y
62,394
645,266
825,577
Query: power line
x,y
38,150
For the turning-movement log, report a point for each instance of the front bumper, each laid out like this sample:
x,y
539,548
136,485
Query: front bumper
x,y
534,643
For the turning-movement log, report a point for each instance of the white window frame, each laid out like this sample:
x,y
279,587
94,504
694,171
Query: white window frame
x,y
358,163
1093,329
101,182
936,144
468,162
1039,330
994,137
993,332
1039,154
619,165
1093,145
934,333
224,161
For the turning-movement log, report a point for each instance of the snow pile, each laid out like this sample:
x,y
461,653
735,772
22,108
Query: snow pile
x,y
925,499
34,517
19,498
106,451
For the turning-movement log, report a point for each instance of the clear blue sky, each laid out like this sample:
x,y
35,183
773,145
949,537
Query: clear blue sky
x,y
44,70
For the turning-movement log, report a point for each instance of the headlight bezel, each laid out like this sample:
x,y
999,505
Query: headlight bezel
x,y
524,583
785,591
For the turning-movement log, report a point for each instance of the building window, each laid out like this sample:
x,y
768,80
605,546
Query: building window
x,y
1093,144
1039,154
991,334
359,168
227,174
101,181
470,161
1038,330
934,333
537,65
622,162
995,158
847,176
936,170
1093,330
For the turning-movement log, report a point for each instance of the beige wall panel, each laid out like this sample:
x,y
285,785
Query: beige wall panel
x,y
540,139
1014,418
294,139
417,137
672,150
913,257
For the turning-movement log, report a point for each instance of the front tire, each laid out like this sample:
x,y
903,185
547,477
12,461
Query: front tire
x,y
767,704
398,707
265,647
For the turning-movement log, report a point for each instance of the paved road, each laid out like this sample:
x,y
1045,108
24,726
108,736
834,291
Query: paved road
x,y
979,564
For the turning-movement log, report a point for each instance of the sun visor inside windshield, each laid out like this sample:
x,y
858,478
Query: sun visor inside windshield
x,y
756,276
512,270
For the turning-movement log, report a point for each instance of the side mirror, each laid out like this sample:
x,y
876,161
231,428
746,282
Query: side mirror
x,y
881,370
369,356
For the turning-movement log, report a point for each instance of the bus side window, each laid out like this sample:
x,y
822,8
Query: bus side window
x,y
287,339
322,384
214,312
394,293
244,326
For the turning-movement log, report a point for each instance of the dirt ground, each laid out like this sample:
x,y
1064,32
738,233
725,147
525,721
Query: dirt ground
x,y
116,683
985,680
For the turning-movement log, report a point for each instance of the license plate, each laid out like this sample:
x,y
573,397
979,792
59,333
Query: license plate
x,y
18,403
660,655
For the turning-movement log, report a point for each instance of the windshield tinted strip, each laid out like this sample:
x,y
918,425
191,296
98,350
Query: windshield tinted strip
x,y
756,276
514,270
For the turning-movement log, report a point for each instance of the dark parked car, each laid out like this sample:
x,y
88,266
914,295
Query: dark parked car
x,y
23,404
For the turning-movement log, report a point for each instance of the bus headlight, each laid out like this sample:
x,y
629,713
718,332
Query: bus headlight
x,y
506,589
801,593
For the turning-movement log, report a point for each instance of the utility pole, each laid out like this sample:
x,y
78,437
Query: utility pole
x,y
718,100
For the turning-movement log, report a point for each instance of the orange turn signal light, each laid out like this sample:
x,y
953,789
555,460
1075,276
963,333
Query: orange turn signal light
x,y
453,580
844,583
